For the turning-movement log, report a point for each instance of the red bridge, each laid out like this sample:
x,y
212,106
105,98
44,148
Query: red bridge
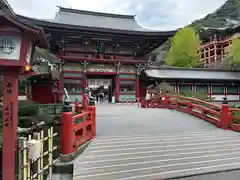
x,y
168,137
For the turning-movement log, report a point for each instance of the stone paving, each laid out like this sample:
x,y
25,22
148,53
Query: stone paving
x,y
150,144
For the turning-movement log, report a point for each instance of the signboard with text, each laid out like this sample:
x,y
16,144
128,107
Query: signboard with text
x,y
127,69
72,67
101,68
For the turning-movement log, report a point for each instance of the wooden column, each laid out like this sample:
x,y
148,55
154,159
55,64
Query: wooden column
x,y
117,88
10,123
137,86
84,80
139,69
117,80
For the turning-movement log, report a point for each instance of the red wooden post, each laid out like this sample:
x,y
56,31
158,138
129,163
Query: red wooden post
x,y
117,89
77,107
67,135
84,82
189,108
225,116
10,123
165,100
93,111
137,87
85,101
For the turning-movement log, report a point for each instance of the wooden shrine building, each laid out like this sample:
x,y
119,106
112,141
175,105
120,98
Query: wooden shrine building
x,y
215,83
100,50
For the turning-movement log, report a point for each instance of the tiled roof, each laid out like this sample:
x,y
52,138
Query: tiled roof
x,y
97,19
198,74
89,20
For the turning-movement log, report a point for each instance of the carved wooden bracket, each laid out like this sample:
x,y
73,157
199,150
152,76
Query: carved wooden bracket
x,y
84,63
118,65
140,68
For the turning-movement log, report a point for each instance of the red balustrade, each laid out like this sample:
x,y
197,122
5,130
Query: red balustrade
x,y
77,129
223,116
235,125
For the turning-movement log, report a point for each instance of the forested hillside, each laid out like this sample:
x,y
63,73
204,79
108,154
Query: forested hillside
x,y
228,15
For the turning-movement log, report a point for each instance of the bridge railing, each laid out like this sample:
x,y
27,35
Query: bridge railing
x,y
235,119
223,116
77,129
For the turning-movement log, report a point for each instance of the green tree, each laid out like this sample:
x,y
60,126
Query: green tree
x,y
234,54
184,49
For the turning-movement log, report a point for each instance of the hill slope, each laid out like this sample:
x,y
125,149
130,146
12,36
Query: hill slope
x,y
228,15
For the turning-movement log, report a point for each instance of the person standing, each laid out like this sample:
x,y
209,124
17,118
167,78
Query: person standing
x,y
101,97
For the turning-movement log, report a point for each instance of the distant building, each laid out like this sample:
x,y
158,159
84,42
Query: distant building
x,y
99,50
93,50
216,44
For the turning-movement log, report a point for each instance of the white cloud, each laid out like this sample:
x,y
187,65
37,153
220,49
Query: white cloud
x,y
157,14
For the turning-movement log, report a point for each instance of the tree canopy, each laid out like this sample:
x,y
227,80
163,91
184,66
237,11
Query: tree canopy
x,y
227,15
235,51
184,49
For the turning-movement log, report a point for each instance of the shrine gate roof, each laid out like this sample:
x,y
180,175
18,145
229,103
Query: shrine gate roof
x,y
98,19
192,73
73,18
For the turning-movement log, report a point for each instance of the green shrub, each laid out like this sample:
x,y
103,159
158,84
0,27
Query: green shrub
x,y
30,110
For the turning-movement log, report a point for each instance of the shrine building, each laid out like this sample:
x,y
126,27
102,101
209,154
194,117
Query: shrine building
x,y
100,50
110,51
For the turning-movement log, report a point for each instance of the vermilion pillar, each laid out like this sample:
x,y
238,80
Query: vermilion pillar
x,y
84,81
117,88
137,87
67,134
10,123
225,116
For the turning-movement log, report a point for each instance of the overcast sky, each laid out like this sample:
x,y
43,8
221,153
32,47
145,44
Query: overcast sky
x,y
154,14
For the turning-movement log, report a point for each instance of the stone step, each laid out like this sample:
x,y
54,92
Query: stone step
x,y
158,157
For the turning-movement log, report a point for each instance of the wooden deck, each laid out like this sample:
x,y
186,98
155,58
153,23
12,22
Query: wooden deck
x,y
184,146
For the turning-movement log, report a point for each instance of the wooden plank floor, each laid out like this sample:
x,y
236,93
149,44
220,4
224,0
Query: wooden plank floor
x,y
155,154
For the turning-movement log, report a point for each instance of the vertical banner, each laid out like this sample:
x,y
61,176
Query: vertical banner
x,y
10,123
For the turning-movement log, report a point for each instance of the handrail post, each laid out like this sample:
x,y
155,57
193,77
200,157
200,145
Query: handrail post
x,y
143,104
92,109
189,108
67,135
85,101
77,107
165,99
225,116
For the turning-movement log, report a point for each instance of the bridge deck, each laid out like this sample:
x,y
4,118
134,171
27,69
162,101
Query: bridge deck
x,y
150,144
